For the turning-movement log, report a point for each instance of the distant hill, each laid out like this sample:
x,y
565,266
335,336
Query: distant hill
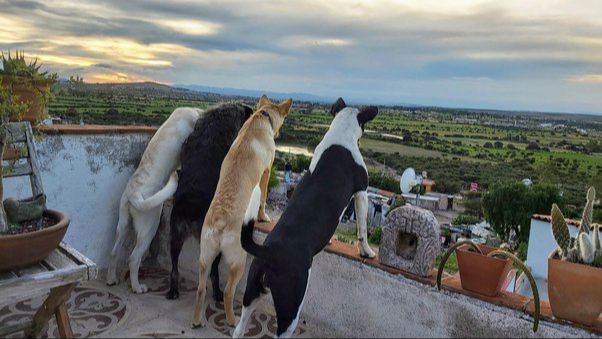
x,y
227,91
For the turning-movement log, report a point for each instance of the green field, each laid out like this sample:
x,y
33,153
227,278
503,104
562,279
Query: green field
x,y
454,146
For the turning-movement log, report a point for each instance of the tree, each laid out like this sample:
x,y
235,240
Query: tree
x,y
509,206
532,146
488,145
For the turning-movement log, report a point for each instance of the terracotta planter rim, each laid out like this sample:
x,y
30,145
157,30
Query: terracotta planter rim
x,y
465,248
63,221
554,257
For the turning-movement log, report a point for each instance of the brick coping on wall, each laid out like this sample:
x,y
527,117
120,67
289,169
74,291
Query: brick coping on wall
x,y
450,283
94,129
573,222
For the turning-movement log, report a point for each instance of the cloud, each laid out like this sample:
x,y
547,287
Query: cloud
x,y
386,50
587,78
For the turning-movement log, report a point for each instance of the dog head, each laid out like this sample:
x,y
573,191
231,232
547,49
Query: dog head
x,y
273,113
352,119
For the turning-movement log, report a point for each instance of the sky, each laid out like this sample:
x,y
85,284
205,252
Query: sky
x,y
511,54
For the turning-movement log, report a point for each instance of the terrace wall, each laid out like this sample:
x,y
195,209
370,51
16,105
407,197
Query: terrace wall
x,y
84,172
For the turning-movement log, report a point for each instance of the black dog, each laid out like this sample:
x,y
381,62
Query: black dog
x,y
201,160
283,263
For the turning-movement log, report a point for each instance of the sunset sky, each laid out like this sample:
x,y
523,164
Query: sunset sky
x,y
524,54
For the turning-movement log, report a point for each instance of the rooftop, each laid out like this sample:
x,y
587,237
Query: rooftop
x,y
84,170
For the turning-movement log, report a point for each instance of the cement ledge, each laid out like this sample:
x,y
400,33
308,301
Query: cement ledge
x,y
449,283
94,129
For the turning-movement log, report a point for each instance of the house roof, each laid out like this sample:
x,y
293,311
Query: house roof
x,y
548,218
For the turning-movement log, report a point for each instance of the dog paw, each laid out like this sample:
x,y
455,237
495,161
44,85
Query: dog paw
x,y
197,324
367,252
112,281
264,218
238,331
140,289
172,294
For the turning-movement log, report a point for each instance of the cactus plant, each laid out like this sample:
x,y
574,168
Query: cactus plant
x,y
586,247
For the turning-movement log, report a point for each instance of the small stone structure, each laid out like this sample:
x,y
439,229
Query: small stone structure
x,y
410,240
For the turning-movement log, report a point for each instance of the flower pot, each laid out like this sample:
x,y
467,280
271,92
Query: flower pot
x,y
28,91
480,273
25,249
575,291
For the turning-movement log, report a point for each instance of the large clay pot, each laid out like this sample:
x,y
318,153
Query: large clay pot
x,y
575,291
22,250
480,273
28,91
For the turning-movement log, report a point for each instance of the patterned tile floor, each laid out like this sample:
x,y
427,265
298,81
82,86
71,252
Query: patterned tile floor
x,y
99,310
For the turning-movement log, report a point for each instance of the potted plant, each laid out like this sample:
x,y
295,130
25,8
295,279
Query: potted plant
x,y
28,232
575,268
29,85
483,270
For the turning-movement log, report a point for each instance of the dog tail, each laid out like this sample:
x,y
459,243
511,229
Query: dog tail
x,y
249,245
158,198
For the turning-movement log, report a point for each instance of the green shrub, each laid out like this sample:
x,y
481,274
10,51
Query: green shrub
x,y
466,219
273,182
383,181
375,236
522,250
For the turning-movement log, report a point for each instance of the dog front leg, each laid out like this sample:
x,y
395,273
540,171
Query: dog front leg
x,y
361,214
263,185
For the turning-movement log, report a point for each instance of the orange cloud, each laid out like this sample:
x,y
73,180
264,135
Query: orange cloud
x,y
115,77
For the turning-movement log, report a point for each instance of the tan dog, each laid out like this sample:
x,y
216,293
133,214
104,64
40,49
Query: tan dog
x,y
239,197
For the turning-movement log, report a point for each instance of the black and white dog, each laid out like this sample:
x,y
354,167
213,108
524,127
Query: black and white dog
x,y
201,160
283,263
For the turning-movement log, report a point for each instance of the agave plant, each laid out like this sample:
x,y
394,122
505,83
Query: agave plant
x,y
17,66
585,248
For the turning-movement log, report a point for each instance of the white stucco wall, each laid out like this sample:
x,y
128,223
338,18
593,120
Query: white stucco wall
x,y
541,244
84,176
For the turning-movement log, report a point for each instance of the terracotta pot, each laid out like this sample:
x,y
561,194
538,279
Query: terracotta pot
x,y
575,291
28,90
480,273
22,250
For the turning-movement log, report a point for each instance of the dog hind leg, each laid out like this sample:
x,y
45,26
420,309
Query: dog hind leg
x,y
235,258
254,291
361,217
289,295
209,251
120,234
145,225
178,236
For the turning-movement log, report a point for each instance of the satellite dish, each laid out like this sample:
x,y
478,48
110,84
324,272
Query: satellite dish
x,y
409,180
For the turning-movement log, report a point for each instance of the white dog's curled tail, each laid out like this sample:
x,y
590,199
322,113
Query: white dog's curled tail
x,y
141,204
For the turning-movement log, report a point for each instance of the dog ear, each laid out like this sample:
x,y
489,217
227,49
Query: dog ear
x,y
366,114
285,106
263,101
337,106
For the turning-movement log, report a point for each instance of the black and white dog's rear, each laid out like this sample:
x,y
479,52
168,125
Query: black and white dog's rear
x,y
283,263
201,160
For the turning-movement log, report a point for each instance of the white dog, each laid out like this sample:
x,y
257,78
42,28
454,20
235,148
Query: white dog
x,y
154,181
